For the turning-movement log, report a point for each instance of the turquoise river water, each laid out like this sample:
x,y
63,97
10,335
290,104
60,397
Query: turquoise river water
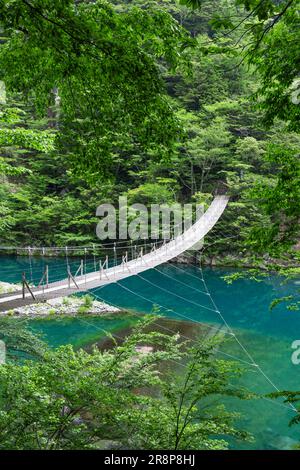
x,y
267,335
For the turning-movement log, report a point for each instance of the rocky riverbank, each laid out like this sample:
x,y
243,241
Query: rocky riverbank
x,y
235,261
7,288
67,306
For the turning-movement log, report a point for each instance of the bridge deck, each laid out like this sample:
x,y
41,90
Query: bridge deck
x,y
161,255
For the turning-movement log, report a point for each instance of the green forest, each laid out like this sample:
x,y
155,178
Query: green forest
x,y
200,112
167,101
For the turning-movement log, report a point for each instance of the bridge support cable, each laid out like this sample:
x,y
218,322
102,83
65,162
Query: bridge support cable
x,y
115,259
71,277
25,286
30,263
143,261
282,405
44,282
67,258
152,302
103,267
80,269
226,324
94,257
176,295
180,282
217,330
231,332
125,262
85,265
238,340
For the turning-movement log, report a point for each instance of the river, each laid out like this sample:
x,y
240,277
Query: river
x,y
180,293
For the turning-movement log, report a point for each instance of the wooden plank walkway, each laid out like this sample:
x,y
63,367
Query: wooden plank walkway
x,y
189,239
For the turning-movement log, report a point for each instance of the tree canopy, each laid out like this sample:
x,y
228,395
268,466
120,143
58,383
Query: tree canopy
x,y
102,64
266,35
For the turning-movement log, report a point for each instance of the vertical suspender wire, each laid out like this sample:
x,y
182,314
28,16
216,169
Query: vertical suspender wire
x,y
236,338
94,254
131,246
115,259
43,267
30,263
85,265
67,259
43,259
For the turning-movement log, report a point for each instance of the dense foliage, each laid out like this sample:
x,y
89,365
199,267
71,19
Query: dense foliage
x,y
123,124
99,65
80,400
160,102
19,341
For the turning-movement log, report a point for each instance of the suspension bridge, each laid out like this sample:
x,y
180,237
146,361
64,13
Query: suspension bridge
x,y
130,264
134,262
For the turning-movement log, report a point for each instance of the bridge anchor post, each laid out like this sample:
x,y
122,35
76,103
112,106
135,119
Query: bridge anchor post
x,y
26,285
70,276
45,277
23,285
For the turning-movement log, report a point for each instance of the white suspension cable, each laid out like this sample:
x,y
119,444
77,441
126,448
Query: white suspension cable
x,y
218,330
189,339
239,342
180,282
216,310
176,295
